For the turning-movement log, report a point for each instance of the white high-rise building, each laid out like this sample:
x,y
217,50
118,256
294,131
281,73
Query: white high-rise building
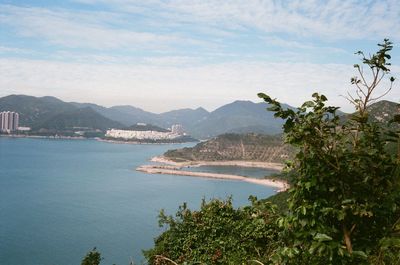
x,y
9,121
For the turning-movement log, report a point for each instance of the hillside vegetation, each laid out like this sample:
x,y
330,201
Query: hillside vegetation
x,y
344,203
79,118
146,127
248,147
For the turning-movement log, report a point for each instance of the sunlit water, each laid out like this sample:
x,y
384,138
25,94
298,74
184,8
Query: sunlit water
x,y
60,198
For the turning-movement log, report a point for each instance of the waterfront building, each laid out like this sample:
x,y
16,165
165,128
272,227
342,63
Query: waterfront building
x,y
9,121
24,129
141,135
177,129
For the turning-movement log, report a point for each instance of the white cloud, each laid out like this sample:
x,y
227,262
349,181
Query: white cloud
x,y
332,19
164,87
188,77
80,29
5,49
286,43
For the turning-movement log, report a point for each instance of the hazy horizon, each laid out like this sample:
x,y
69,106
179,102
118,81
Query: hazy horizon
x,y
165,55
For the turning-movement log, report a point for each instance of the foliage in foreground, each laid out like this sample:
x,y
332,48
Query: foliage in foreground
x,y
93,257
344,203
216,234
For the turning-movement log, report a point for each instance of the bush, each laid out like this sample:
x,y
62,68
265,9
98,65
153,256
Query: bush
x,y
217,234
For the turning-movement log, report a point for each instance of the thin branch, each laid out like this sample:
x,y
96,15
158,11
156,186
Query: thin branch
x,y
350,98
380,79
345,97
358,94
362,90
256,261
165,258
362,76
384,94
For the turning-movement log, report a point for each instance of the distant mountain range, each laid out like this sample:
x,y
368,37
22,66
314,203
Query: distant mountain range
x,y
50,113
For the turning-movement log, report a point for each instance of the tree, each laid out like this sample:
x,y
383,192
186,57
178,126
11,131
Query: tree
x,y
345,196
344,200
93,257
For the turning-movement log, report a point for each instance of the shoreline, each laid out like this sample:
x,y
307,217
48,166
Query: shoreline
x,y
60,137
134,142
238,163
44,137
170,167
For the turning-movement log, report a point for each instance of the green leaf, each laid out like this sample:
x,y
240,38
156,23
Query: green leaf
x,y
360,254
308,104
322,237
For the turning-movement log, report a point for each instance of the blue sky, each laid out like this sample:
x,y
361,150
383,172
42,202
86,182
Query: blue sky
x,y
163,55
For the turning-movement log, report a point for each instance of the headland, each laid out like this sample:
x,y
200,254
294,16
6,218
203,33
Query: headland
x,y
170,167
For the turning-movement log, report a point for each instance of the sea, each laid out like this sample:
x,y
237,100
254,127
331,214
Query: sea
x,y
61,198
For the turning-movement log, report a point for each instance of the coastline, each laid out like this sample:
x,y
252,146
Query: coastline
x,y
238,163
170,167
44,137
134,142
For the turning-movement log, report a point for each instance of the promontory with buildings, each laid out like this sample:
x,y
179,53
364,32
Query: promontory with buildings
x,y
142,132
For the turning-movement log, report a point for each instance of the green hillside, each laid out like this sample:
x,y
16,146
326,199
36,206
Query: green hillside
x,y
34,110
85,118
146,127
383,111
249,147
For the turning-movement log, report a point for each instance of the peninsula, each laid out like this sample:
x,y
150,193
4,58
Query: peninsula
x,y
170,167
240,150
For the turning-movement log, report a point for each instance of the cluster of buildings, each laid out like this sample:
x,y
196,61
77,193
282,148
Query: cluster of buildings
x,y
178,129
9,121
176,132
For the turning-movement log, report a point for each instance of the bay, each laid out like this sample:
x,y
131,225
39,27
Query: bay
x,y
61,198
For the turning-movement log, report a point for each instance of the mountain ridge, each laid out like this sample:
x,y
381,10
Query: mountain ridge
x,y
240,116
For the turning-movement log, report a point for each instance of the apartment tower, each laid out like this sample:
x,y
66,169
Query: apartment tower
x,y
9,121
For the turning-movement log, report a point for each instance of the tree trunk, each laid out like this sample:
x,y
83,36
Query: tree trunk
x,y
347,239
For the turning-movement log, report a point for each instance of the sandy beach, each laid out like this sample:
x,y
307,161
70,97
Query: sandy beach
x,y
170,167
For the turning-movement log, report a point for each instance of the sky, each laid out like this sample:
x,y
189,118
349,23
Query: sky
x,y
163,55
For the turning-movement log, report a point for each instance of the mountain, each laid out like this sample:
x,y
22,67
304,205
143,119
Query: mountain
x,y
50,113
187,117
82,118
136,115
238,117
146,127
113,113
228,147
34,110
383,111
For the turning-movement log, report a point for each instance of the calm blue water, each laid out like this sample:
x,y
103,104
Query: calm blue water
x,y
60,198
241,171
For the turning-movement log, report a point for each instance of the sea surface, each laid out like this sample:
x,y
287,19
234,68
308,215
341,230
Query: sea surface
x,y
234,170
61,198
